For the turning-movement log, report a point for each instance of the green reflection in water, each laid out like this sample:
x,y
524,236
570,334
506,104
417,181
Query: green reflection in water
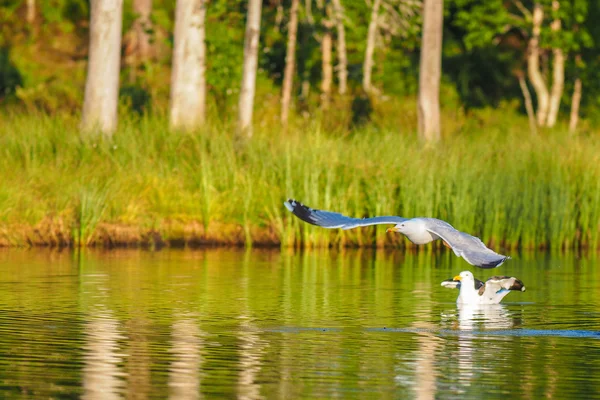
x,y
263,324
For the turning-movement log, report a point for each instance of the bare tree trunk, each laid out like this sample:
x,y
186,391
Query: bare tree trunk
x,y
142,28
30,12
558,73
528,104
290,61
558,79
188,74
251,40
533,66
102,81
430,70
327,68
310,21
371,36
576,100
342,66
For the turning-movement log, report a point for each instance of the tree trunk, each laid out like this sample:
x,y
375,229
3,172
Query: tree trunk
x,y
342,66
371,37
533,66
290,61
326,63
188,74
30,12
142,28
528,105
430,70
558,73
310,22
251,41
575,106
102,81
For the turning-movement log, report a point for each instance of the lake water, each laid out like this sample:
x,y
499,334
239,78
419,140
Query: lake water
x,y
269,324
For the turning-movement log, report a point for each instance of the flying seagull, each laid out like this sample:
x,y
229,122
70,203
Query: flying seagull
x,y
417,230
474,291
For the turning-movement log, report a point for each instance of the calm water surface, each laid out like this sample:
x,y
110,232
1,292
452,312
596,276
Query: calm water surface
x,y
265,324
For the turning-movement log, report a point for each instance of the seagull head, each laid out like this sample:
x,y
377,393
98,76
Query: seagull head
x,y
406,227
464,276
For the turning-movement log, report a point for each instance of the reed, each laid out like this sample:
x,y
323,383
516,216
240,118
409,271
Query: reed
x,y
511,189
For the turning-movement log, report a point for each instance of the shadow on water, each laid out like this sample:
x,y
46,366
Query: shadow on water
x,y
264,324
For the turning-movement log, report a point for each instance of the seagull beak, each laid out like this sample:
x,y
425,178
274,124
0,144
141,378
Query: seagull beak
x,y
392,229
457,278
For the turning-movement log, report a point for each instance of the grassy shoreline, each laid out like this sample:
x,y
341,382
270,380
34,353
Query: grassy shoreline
x,y
150,186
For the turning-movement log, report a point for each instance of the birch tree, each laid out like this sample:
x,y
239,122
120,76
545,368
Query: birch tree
x,y
309,22
102,81
290,63
251,41
30,12
326,59
533,66
528,103
430,70
188,80
342,67
575,99
558,70
548,102
486,22
394,18
370,49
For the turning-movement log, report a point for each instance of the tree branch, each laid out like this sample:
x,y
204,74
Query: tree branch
x,y
523,9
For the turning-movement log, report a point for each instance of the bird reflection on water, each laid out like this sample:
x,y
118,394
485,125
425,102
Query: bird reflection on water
x,y
485,317
470,322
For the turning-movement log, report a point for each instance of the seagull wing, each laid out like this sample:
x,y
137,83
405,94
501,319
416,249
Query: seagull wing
x,y
504,283
452,284
471,248
497,287
328,219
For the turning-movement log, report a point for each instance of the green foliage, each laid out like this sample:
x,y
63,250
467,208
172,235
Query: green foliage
x,y
64,14
484,44
224,47
482,21
480,76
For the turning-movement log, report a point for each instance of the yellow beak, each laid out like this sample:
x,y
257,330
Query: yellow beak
x,y
457,278
392,229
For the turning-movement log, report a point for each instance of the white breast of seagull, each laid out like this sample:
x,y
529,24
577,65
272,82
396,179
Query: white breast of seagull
x,y
419,233
469,295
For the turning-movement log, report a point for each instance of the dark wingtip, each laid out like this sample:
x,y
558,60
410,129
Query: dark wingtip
x,y
518,285
494,264
300,210
289,204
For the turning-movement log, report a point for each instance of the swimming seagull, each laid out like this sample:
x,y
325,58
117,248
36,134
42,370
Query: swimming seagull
x,y
417,230
474,291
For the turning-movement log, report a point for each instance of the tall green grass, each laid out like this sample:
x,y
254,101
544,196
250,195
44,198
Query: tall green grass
x,y
511,189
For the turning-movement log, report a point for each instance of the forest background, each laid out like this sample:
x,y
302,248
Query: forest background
x,y
518,161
